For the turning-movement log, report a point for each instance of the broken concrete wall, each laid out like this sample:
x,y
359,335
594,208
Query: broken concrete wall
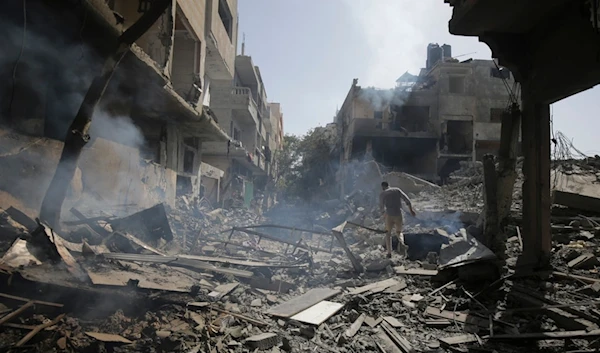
x,y
109,174
157,41
577,181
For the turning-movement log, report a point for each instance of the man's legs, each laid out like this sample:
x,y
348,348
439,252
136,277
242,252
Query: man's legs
x,y
389,224
402,248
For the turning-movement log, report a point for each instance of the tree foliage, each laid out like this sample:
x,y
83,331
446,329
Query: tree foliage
x,y
305,164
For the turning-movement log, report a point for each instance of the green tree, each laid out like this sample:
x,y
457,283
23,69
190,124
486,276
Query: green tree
x,y
304,164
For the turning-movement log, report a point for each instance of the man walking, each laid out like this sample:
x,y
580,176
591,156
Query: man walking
x,y
391,199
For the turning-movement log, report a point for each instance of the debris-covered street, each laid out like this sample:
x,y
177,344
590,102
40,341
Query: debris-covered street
x,y
234,281
152,201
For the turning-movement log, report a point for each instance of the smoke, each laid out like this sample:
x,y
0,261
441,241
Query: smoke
x,y
382,98
120,129
42,64
52,75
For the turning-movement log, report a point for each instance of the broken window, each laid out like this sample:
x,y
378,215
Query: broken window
x,y
496,115
188,161
226,18
411,118
500,73
457,84
459,136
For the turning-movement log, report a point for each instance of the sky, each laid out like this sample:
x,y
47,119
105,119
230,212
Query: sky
x,y
309,51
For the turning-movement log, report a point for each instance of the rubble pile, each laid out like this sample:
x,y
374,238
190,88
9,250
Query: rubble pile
x,y
197,279
192,221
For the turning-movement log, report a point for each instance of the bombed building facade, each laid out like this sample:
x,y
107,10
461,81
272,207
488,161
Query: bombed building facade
x,y
151,126
450,112
255,126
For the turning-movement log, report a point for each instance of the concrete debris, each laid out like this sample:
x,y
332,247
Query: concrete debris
x,y
193,279
263,341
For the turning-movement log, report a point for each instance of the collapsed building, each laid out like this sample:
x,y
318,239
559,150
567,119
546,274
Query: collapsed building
x,y
450,112
150,128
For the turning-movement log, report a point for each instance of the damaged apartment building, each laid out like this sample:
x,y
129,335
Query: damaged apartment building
x,y
149,129
256,128
450,112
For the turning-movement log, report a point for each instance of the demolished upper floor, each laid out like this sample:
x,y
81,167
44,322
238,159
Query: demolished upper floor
x,y
65,49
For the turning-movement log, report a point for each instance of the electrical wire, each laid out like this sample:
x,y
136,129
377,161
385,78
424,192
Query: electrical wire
x,y
511,94
14,74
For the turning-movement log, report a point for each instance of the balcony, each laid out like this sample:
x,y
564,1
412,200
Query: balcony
x,y
239,100
218,151
220,45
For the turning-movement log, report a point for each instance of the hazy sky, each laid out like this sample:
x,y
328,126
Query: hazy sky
x,y
309,51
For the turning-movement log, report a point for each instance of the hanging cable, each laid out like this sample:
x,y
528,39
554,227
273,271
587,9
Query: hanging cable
x,y
511,94
14,74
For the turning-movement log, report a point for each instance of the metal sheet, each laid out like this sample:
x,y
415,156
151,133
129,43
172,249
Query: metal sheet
x,y
318,313
19,255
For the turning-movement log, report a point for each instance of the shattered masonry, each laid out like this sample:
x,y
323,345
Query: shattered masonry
x,y
127,282
141,263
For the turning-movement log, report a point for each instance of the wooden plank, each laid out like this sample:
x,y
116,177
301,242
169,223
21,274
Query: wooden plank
x,y
230,261
276,285
438,323
575,277
393,321
415,271
372,322
374,286
108,337
353,329
385,343
396,288
457,317
454,340
548,335
222,290
146,277
580,260
25,300
318,313
561,317
400,341
303,302
139,243
207,305
37,329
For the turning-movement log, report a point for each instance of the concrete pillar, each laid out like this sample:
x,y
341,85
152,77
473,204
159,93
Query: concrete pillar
x,y
172,147
537,236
